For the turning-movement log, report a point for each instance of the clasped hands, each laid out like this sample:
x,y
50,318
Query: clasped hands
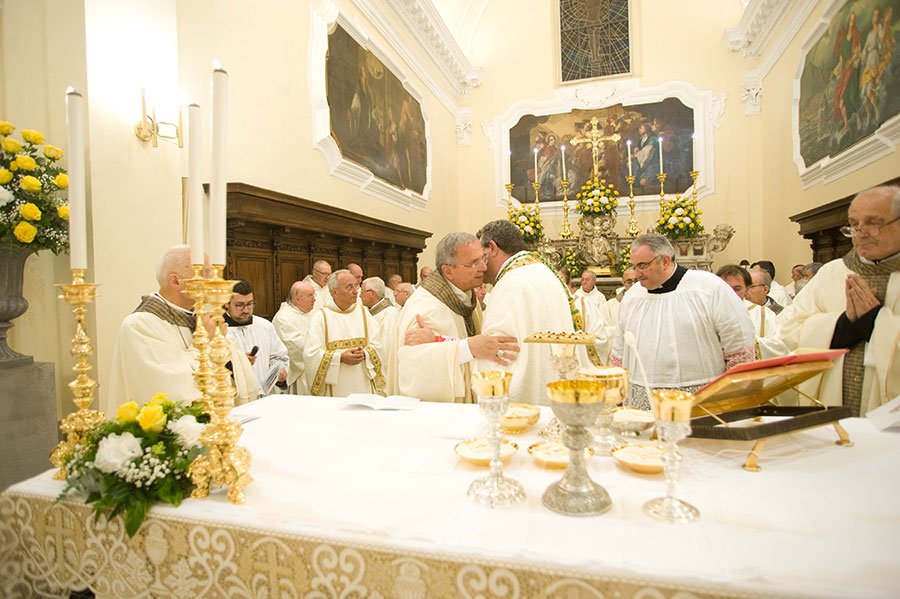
x,y
353,356
501,349
860,297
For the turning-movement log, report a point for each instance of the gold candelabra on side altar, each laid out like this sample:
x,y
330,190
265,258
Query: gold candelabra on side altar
x,y
662,188
509,208
227,463
537,199
79,295
694,175
633,229
566,231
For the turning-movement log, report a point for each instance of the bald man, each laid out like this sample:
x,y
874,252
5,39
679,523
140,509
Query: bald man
x,y
291,324
589,291
404,290
318,278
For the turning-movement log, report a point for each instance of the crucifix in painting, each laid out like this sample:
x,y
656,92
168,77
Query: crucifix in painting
x,y
595,137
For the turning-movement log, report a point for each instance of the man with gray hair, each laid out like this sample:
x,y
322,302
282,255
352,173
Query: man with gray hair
x,y
391,287
441,327
292,324
589,291
386,315
402,293
318,278
154,349
759,288
854,303
689,326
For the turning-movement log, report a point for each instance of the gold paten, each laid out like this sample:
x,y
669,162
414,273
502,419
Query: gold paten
x,y
78,294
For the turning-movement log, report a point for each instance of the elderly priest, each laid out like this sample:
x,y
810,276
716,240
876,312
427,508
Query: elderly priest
x,y
854,302
154,351
441,324
528,297
689,326
343,352
291,322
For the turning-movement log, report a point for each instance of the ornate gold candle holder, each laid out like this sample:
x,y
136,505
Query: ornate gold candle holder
x,y
537,200
662,188
509,209
227,464
694,175
204,375
78,294
633,229
566,232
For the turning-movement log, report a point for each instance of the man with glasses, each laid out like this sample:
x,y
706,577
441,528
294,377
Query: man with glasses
x,y
854,302
318,278
759,288
765,325
374,298
689,326
776,291
257,338
343,352
441,327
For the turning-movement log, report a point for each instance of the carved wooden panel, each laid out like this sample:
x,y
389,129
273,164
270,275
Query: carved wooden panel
x,y
274,239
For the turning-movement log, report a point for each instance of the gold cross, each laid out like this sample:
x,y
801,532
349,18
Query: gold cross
x,y
594,138
270,567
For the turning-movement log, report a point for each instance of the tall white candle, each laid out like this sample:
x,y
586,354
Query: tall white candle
x,y
217,180
564,160
77,206
535,165
195,187
628,143
660,155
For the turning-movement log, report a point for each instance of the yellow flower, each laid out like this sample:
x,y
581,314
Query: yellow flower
x,y
662,221
61,180
63,211
159,399
11,145
30,212
30,183
127,412
680,225
596,208
25,232
691,225
151,418
5,128
32,136
25,162
52,152
671,226
5,176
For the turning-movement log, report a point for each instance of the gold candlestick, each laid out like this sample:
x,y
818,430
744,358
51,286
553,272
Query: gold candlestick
x,y
566,232
204,374
78,294
633,229
694,175
227,463
662,188
509,208
537,201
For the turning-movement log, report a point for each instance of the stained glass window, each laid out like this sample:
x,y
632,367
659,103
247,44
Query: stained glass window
x,y
594,39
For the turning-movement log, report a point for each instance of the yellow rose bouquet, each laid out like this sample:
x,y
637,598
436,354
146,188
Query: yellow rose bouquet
x,y
597,198
141,457
33,208
529,222
572,262
679,218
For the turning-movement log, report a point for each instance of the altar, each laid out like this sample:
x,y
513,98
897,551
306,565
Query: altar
x,y
352,502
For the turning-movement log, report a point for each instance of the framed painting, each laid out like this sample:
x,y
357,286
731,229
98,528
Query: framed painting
x,y
594,39
850,79
375,121
643,124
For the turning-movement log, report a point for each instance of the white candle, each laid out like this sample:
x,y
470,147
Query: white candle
x,y
217,180
535,165
195,187
564,160
77,206
660,155
628,143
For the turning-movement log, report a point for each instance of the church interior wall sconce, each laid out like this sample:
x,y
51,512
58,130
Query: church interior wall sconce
x,y
149,128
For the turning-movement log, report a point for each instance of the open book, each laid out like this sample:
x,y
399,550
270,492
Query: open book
x,y
377,402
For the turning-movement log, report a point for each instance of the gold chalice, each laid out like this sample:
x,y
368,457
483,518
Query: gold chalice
x,y
576,404
672,409
494,490
615,382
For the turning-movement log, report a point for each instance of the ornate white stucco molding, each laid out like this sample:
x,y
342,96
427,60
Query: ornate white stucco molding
x,y
758,24
882,142
708,109
463,126
322,18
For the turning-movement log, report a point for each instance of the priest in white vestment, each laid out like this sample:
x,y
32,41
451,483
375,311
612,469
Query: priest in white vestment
x,y
318,278
776,290
291,322
374,298
593,322
343,352
796,276
154,349
765,325
256,337
854,303
403,293
528,297
440,327
689,326
588,289
391,284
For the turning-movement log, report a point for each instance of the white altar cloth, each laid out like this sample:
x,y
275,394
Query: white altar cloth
x,y
819,520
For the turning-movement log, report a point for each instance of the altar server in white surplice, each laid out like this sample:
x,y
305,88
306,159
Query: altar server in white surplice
x,y
440,327
765,326
154,349
854,303
318,278
251,332
292,324
588,289
374,298
689,325
528,297
343,352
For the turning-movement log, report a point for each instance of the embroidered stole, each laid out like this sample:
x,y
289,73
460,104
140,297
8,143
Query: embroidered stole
x,y
342,344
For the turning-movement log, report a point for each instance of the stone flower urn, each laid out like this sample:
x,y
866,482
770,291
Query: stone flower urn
x,y
12,303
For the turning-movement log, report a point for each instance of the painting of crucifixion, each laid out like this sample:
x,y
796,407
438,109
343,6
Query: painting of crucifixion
x,y
597,140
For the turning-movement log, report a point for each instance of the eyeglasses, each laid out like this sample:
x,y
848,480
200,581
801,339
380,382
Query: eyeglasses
x,y
868,230
240,306
645,265
631,281
475,265
756,285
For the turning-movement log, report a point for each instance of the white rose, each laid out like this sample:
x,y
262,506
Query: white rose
x,y
604,200
5,196
188,430
528,229
687,220
595,193
673,220
679,211
115,451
